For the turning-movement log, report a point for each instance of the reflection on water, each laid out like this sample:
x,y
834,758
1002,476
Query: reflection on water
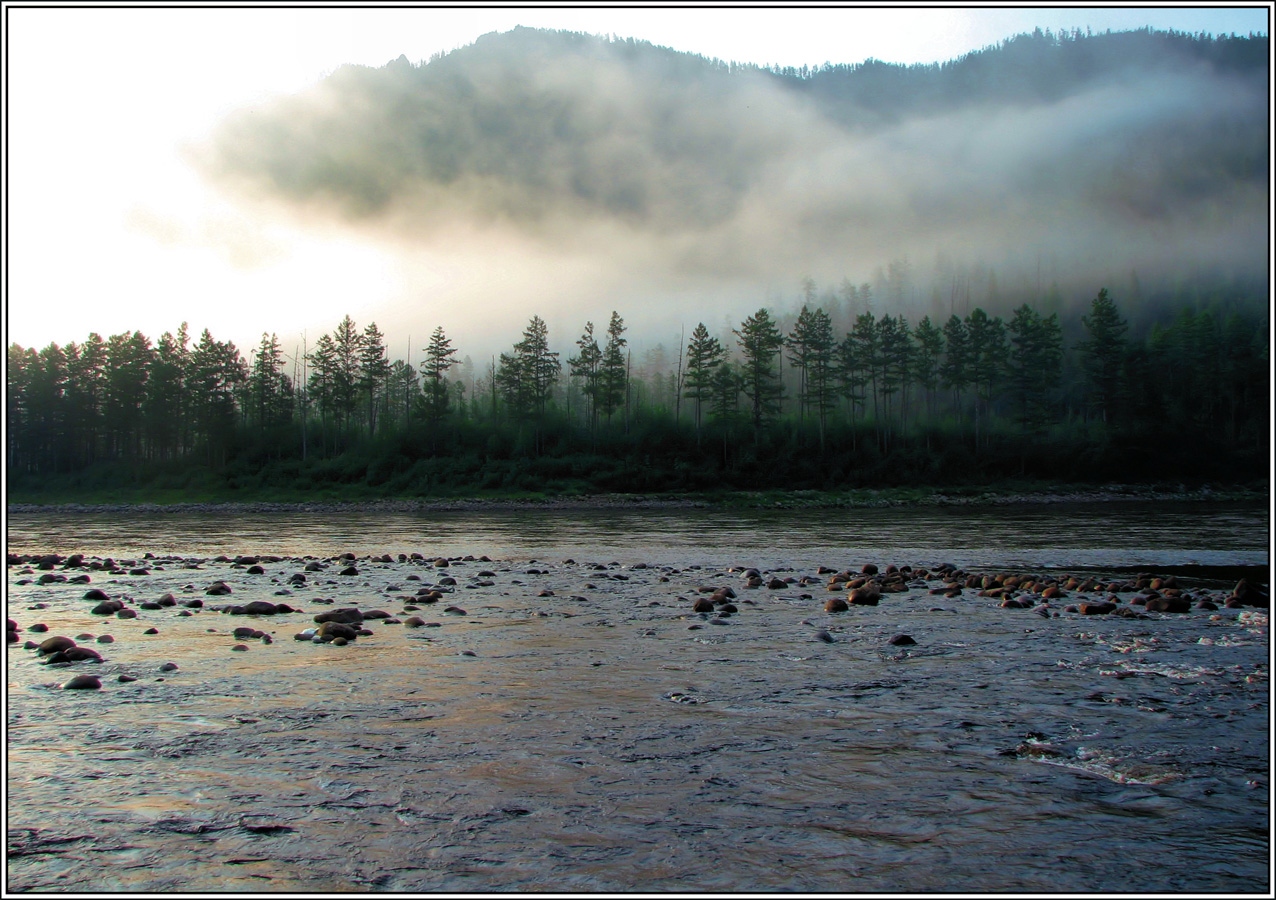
x,y
1078,535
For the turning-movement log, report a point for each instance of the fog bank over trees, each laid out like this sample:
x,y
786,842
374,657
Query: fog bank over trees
x,y
604,173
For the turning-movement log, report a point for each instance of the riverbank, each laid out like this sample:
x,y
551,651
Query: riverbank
x,y
855,499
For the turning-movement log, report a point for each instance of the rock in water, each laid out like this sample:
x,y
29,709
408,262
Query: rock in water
x,y
346,615
902,640
867,595
55,644
83,683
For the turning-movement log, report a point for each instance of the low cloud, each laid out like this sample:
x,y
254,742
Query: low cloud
x,y
657,173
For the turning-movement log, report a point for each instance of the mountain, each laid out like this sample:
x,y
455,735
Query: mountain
x,y
1134,149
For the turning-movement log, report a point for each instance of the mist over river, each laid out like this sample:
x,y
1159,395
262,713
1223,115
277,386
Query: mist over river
x,y
557,717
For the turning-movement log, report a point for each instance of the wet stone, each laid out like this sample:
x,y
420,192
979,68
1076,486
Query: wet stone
x,y
83,683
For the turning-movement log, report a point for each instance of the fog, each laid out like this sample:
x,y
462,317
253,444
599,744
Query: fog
x,y
562,175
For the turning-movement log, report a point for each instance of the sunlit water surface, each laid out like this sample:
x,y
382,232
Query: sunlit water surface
x,y
606,738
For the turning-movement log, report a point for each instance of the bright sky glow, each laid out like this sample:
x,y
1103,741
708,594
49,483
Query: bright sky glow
x,y
110,229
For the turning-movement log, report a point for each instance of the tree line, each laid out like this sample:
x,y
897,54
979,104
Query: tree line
x,y
887,400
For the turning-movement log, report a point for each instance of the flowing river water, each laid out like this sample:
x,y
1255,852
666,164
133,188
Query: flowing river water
x,y
579,728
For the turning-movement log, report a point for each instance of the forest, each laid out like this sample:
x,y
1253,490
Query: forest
x,y
783,401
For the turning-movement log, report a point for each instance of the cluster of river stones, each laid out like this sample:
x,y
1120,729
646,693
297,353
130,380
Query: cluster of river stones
x,y
1045,595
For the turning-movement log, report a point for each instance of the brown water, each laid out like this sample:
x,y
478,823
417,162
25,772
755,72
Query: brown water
x,y
598,741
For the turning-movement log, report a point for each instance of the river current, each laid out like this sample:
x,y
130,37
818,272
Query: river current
x,y
572,725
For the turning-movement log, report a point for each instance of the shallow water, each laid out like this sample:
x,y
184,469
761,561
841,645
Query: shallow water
x,y
597,740
1103,535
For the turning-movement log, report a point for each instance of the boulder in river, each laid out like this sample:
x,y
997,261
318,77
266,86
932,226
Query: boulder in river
x,y
83,683
260,608
55,644
865,595
1168,604
346,615
1248,595
1102,608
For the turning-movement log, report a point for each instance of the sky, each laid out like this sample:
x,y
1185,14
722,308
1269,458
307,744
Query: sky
x,y
112,227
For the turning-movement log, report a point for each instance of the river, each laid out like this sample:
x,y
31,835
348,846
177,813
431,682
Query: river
x,y
572,724
1082,535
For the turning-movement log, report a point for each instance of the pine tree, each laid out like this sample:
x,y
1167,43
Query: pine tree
x,y
86,395
1102,354
321,386
1034,366
373,370
440,356
584,365
167,405
955,370
269,389
929,343
760,341
216,374
612,369
704,355
128,367
987,338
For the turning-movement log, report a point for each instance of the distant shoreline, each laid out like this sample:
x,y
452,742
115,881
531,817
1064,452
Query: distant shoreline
x,y
866,499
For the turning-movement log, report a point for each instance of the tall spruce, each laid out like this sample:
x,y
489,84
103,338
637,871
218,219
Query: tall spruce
x,y
613,374
704,355
440,356
374,370
584,365
1033,367
760,342
1102,355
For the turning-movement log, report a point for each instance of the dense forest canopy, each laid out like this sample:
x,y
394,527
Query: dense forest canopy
x,y
837,396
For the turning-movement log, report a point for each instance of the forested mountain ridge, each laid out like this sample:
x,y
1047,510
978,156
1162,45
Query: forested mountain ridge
x,y
1040,67
1136,149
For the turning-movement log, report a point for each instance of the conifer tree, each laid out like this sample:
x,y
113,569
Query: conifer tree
x,y
760,341
704,355
613,368
373,370
440,356
1102,354
584,365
